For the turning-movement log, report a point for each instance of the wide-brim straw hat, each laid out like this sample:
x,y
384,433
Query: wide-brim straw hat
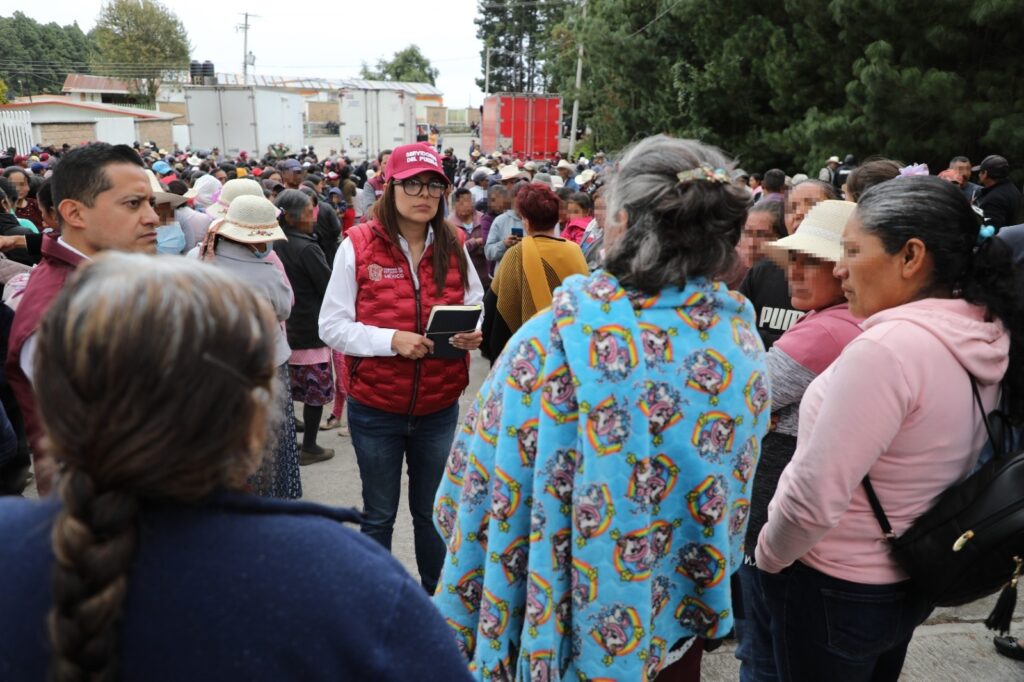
x,y
820,234
250,220
509,172
585,177
162,196
232,190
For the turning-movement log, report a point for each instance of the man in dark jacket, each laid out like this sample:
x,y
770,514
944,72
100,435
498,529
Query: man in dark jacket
x,y
998,198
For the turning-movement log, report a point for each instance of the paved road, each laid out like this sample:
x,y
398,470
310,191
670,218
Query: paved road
x,y
952,646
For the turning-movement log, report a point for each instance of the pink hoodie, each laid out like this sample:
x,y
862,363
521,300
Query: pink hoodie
x,y
896,404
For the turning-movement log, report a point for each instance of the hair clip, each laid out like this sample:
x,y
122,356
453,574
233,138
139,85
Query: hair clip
x,y
225,367
703,173
914,169
985,232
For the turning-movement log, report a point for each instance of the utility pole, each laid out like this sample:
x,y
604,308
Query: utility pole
x,y
487,69
246,57
579,83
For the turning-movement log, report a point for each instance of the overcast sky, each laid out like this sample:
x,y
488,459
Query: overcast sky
x,y
328,40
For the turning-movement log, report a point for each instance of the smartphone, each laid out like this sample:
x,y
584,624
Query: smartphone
x,y
517,232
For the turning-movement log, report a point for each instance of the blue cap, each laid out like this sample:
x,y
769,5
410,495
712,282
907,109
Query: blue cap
x,y
289,165
162,167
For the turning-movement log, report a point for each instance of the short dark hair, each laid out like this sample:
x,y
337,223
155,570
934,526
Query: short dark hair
x,y
538,204
13,170
959,159
757,176
461,192
7,187
871,173
583,200
383,153
774,180
82,174
775,209
45,195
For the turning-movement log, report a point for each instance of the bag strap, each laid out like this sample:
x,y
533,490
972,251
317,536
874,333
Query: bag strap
x,y
876,505
996,450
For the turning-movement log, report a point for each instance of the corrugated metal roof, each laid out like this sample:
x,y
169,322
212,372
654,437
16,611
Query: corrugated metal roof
x,y
136,112
80,82
77,82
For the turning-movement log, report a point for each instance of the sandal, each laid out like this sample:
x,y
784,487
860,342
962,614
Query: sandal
x,y
330,423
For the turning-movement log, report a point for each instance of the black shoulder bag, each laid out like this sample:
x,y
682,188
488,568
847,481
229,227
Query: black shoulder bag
x,y
971,543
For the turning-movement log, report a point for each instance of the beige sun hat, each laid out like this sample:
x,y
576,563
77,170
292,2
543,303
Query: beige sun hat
x,y
509,172
557,182
562,163
232,190
585,177
162,196
819,235
250,220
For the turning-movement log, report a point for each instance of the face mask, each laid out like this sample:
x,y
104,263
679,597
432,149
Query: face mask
x,y
170,239
263,254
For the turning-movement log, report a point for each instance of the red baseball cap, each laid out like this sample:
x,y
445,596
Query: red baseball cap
x,y
413,159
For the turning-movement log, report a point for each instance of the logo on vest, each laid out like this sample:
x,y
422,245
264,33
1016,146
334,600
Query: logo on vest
x,y
378,272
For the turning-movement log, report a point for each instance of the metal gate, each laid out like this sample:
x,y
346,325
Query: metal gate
x,y
16,131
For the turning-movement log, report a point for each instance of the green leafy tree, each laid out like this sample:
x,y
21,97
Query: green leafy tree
x,y
788,83
38,57
409,65
140,41
519,36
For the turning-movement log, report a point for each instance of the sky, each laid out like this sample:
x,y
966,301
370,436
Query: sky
x,y
328,40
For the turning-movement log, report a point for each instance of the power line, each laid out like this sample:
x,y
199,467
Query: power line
x,y
651,22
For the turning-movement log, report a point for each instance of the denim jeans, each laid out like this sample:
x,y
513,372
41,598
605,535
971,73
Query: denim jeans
x,y
753,630
382,441
824,628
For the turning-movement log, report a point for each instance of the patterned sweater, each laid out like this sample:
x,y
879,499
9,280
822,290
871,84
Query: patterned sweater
x,y
596,497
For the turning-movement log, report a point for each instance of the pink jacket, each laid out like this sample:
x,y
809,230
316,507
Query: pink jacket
x,y
897,404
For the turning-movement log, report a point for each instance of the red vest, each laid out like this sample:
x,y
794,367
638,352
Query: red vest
x,y
387,297
47,280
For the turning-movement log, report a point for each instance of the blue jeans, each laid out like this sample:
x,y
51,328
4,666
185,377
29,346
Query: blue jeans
x,y
824,628
382,441
753,630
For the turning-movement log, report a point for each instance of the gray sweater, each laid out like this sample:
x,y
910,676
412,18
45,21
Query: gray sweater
x,y
263,277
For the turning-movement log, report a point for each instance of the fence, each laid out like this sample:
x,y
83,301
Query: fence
x,y
16,131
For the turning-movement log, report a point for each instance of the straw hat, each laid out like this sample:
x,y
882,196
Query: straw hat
x,y
565,164
819,235
585,177
232,190
250,220
509,172
557,182
162,196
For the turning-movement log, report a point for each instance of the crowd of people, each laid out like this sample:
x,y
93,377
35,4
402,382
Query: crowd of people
x,y
693,371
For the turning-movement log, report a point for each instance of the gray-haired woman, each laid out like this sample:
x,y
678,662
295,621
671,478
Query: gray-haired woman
x,y
630,413
308,271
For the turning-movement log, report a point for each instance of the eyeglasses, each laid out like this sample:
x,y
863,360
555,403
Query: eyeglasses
x,y
414,186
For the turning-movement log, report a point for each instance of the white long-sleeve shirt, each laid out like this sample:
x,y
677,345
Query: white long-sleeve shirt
x,y
339,328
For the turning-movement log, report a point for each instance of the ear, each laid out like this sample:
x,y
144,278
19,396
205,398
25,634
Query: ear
x,y
72,213
914,257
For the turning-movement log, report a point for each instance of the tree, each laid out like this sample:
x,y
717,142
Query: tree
x,y
38,57
519,38
789,83
408,65
140,41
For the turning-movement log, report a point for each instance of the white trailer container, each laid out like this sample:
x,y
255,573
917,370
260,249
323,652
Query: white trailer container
x,y
373,120
235,118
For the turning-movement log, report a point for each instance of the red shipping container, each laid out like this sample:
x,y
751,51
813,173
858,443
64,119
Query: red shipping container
x,y
526,125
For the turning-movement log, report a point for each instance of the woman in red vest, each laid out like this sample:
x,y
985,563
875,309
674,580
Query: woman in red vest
x,y
403,403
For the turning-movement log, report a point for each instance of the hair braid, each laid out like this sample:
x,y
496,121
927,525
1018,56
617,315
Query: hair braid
x,y
94,540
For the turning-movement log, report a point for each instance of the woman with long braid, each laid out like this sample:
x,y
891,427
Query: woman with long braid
x,y
151,563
